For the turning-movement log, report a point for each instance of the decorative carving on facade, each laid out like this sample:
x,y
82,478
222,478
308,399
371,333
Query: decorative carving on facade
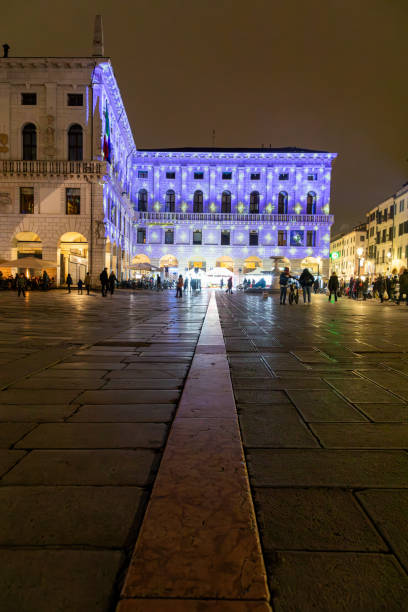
x,y
3,143
5,202
49,138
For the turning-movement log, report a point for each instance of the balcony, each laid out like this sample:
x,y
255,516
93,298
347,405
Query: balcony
x,y
171,217
52,167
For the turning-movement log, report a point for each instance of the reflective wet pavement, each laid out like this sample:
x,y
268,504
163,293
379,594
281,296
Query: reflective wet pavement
x,y
89,389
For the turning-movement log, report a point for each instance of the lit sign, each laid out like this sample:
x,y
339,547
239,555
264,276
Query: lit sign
x,y
335,255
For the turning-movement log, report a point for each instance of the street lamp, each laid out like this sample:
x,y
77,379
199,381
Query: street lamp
x,y
360,251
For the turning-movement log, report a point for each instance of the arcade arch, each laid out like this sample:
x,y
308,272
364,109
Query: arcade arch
x,y
73,256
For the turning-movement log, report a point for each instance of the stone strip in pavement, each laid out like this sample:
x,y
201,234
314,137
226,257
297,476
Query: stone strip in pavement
x,y
199,541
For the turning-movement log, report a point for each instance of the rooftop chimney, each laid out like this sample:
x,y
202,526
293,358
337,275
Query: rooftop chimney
x,y
97,47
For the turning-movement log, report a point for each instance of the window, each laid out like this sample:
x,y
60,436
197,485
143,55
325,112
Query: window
x,y
198,202
26,200
254,203
142,174
226,176
401,206
198,175
255,176
253,238
310,238
29,142
377,238
362,238
405,227
372,217
170,201
282,237
283,176
75,138
372,231
197,237
391,233
169,236
113,213
142,200
283,203
75,99
297,238
385,214
406,251
400,229
384,235
311,203
225,237
72,201
170,175
28,99
312,177
141,235
226,202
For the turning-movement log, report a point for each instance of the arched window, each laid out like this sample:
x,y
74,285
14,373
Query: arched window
x,y
75,143
170,201
226,202
283,203
311,203
198,202
142,200
29,142
254,203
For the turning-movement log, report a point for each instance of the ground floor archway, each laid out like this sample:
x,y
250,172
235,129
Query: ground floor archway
x,y
73,256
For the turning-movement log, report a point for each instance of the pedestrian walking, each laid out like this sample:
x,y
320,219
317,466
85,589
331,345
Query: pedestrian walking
x,y
186,284
69,282
221,284
21,284
380,287
158,283
283,283
111,281
316,285
306,281
229,285
365,289
103,277
88,283
403,286
180,285
80,285
333,286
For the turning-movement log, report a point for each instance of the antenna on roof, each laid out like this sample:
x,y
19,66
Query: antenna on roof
x,y
97,45
213,138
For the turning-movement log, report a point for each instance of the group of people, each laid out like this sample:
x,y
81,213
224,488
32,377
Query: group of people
x,y
306,280
392,288
42,282
108,282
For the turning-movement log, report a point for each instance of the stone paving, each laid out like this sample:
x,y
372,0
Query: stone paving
x,y
89,388
88,391
321,392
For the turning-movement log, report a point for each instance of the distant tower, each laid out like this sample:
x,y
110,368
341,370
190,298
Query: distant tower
x,y
97,47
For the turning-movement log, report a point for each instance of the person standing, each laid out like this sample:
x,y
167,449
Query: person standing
x,y
80,285
306,281
103,277
112,280
88,283
365,288
333,286
69,282
221,284
21,284
283,283
403,286
180,285
380,286
158,283
229,285
186,284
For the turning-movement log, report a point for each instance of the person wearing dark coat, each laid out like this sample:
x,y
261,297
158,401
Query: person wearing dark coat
x,y
306,281
69,282
333,286
112,280
403,286
103,277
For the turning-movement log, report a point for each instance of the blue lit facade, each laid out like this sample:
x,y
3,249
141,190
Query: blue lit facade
x,y
244,209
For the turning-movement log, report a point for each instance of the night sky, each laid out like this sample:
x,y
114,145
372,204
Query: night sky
x,y
319,74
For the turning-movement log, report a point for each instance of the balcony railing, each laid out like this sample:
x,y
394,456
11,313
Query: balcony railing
x,y
52,167
169,217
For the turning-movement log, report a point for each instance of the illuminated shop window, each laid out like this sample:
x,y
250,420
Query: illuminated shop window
x,y
72,201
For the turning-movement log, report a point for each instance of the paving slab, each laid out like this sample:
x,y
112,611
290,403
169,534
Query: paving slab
x,y
362,435
364,392
10,433
324,405
39,414
96,435
126,413
260,396
328,468
274,426
8,458
191,605
53,383
83,467
339,582
314,519
389,511
129,397
90,365
144,383
162,370
37,580
37,396
68,516
385,412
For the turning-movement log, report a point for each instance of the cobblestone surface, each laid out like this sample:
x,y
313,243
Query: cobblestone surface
x,y
89,388
328,468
